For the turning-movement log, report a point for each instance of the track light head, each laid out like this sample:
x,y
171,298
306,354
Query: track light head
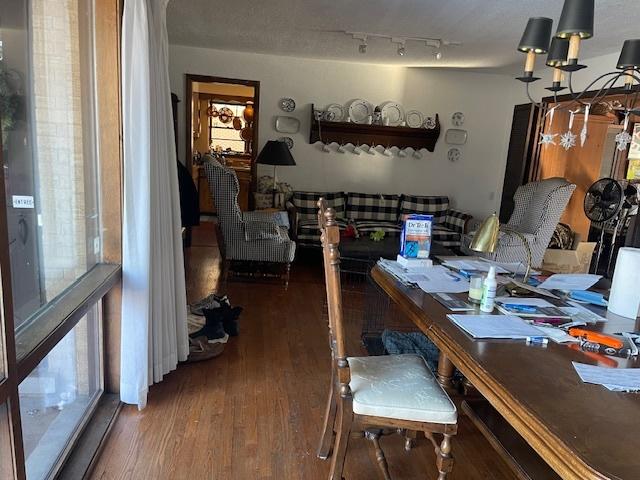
x,y
438,55
401,49
362,48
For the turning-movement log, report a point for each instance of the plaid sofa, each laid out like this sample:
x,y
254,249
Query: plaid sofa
x,y
370,212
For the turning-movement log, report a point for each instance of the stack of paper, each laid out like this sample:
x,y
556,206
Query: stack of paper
x,y
496,326
473,265
615,379
439,279
579,313
570,281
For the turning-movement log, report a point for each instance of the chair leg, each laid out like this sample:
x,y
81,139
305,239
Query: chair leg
x,y
287,274
326,442
444,459
374,437
410,437
344,421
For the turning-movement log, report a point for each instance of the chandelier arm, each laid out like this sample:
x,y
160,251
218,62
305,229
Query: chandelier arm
x,y
537,104
608,85
578,96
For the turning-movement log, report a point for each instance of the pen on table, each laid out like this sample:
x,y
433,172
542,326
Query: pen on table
x,y
520,308
465,274
453,277
537,340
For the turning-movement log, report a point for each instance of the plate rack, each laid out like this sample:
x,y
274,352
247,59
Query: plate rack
x,y
373,135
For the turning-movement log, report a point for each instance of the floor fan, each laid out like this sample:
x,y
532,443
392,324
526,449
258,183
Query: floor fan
x,y
602,202
629,202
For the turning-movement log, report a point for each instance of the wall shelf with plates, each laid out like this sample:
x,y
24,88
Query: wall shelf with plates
x,y
364,134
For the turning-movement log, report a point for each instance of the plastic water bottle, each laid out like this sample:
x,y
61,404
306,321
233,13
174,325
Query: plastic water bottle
x,y
489,291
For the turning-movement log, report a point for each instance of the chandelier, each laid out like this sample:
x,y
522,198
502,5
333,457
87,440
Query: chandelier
x,y
575,26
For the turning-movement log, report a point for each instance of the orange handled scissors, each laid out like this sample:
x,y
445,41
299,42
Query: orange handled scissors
x,y
595,337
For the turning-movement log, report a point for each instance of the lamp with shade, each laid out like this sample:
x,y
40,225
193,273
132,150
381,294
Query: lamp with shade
x,y
276,153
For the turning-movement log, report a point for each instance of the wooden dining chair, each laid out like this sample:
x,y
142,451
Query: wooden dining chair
x,y
377,394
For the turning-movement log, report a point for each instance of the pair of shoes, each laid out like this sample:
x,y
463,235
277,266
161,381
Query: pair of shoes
x,y
200,349
212,330
209,302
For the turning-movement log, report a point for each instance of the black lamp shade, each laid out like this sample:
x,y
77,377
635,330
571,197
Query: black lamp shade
x,y
275,152
576,19
558,52
630,55
536,35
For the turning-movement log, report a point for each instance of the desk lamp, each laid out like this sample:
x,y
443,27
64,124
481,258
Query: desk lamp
x,y
275,153
486,240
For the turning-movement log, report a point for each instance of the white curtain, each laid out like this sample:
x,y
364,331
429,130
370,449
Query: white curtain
x,y
154,324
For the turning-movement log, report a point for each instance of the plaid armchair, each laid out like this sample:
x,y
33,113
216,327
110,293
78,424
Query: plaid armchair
x,y
537,211
248,236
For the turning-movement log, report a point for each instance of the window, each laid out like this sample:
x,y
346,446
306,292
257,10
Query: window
x,y
222,133
51,359
56,395
48,148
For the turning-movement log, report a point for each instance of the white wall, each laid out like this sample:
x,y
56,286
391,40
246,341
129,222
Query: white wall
x,y
474,184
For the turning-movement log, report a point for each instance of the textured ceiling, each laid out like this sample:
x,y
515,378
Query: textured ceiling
x,y
489,29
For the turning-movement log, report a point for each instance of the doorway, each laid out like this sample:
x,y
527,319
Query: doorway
x,y
222,114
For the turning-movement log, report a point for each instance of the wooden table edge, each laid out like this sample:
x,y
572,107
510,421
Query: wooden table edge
x,y
548,446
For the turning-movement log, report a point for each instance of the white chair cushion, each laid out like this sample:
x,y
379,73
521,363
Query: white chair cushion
x,y
400,387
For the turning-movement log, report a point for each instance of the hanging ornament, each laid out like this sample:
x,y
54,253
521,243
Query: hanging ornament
x,y
583,133
548,139
623,139
568,139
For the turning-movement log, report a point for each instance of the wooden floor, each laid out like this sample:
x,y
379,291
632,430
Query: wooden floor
x,y
256,411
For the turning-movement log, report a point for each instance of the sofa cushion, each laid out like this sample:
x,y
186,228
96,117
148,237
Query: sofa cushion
x,y
445,237
309,233
436,206
372,206
306,203
365,227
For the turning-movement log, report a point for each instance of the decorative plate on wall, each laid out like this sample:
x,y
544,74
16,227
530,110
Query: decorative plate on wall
x,y
457,119
415,119
360,110
287,104
288,141
226,115
393,113
287,124
455,136
430,123
337,110
454,154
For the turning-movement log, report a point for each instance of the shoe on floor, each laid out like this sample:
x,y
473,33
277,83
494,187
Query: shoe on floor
x,y
209,302
200,349
230,320
213,329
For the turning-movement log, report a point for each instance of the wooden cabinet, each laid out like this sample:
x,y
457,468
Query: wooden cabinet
x,y
242,167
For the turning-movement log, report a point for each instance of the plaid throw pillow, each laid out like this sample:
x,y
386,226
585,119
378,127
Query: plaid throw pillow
x,y
306,203
436,206
368,206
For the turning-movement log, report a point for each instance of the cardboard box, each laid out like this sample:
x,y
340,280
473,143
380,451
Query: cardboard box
x,y
569,261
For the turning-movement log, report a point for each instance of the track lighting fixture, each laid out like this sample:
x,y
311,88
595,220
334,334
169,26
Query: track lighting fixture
x,y
438,55
401,49
362,48
401,42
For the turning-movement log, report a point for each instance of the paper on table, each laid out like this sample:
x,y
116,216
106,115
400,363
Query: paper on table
x,y
469,264
617,379
529,301
570,281
578,312
439,279
496,326
558,335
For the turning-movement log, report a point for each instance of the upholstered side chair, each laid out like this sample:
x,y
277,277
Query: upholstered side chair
x,y
377,394
248,239
538,207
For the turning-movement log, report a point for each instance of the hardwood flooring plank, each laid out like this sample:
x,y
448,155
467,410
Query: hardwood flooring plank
x,y
256,411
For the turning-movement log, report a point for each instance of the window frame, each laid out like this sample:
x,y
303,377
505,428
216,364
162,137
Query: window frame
x,y
100,285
